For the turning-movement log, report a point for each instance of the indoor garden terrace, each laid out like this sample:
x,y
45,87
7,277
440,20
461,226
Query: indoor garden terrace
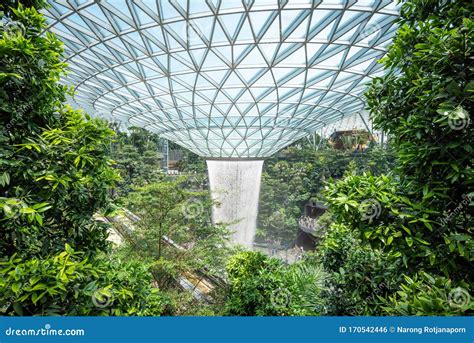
x,y
236,158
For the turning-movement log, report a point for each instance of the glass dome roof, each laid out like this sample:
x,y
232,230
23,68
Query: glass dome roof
x,y
232,79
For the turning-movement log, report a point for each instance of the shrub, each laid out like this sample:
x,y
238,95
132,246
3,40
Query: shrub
x,y
428,295
171,210
377,211
358,274
366,275
264,286
137,158
335,247
287,185
306,281
254,278
71,284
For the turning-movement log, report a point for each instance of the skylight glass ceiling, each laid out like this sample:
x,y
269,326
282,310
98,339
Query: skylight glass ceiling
x,y
227,78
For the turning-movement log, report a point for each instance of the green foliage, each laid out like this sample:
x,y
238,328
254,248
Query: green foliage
x,y
175,238
264,286
307,283
63,175
286,187
427,295
55,174
254,280
390,229
191,163
170,210
366,275
288,184
375,208
425,103
30,68
53,160
416,222
334,249
358,274
375,159
7,6
137,158
401,243
70,284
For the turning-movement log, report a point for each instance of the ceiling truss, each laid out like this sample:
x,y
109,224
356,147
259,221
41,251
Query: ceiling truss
x,y
234,79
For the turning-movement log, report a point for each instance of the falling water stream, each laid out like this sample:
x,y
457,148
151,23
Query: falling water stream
x,y
235,184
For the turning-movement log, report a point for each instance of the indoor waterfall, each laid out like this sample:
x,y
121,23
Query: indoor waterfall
x,y
235,185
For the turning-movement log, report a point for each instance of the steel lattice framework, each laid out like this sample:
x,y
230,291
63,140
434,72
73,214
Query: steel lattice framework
x,y
235,79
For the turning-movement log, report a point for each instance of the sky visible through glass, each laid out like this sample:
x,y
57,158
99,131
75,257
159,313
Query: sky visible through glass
x,y
233,79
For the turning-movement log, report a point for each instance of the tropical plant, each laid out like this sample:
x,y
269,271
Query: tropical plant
x,y
175,232
55,176
54,167
425,294
307,280
425,103
137,157
190,162
299,175
375,208
420,214
68,283
264,286
257,285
